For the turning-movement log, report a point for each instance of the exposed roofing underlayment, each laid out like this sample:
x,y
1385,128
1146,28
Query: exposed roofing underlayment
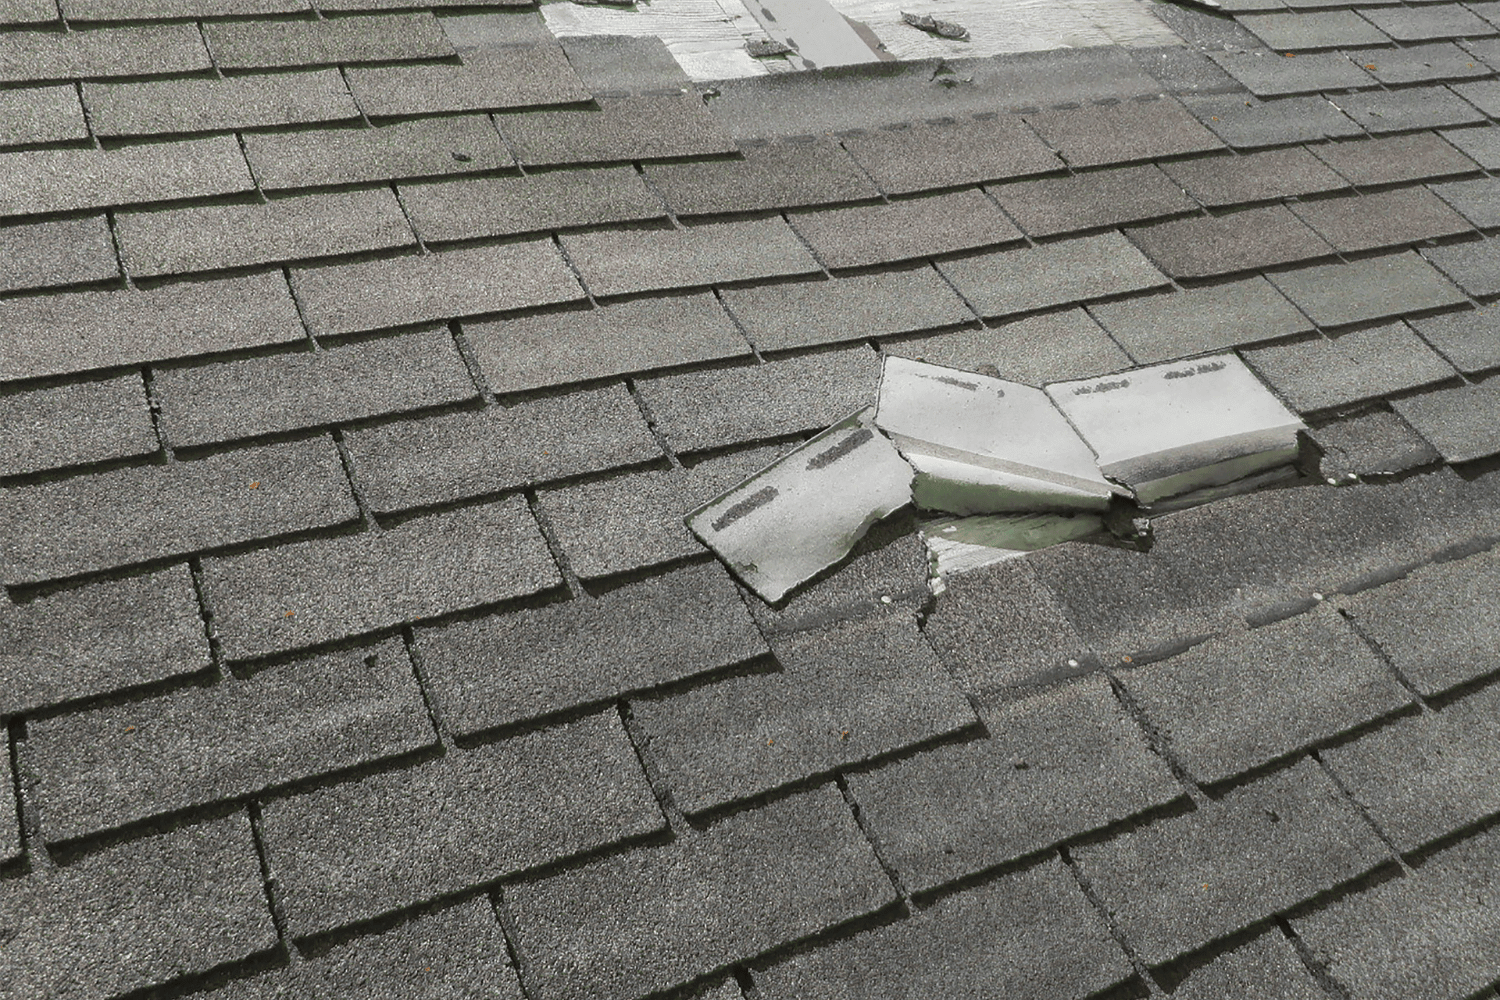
x,y
358,365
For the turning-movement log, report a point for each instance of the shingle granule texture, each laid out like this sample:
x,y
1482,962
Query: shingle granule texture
x,y
1231,180
922,157
67,252
1012,281
1247,240
500,206
1458,421
1053,205
1267,968
1374,443
74,424
1373,288
622,129
768,175
1200,320
419,148
1035,350
863,235
1318,374
1468,339
1133,130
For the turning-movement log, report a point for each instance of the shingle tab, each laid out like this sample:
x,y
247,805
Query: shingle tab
x,y
1460,422
106,637
754,881
72,526
101,52
1237,702
500,206
1480,142
496,671
347,298
918,157
139,914
1092,200
28,11
706,409
1374,443
1035,350
1469,340
1013,281
426,147
41,114
1032,931
1271,74
62,180
1251,239
344,40
74,424
1478,199
1034,782
216,105
1267,968
126,10
515,76
1246,123
1474,266
307,593
1318,374
1381,219
1230,180
620,262
69,251
803,313
1387,160
1200,320
111,766
903,230
1415,24
785,174
643,127
1335,294
1332,29
284,392
210,237
532,352
81,331
1092,135
462,820
413,463
1407,108
1440,61
1422,777
845,694
1180,883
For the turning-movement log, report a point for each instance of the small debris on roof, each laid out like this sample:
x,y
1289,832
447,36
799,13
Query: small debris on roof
x,y
933,26
763,47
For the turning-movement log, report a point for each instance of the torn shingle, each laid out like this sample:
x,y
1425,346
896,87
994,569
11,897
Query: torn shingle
x,y
464,819
903,230
1198,320
1033,350
1032,783
1407,109
69,251
1054,205
1013,281
101,52
802,514
101,638
82,331
75,424
1458,421
111,766
806,313
1230,180
918,157
139,914
73,526
1470,340
432,460
343,40
492,672
1387,160
1246,123
41,114
425,147
768,175
1092,136
1318,374
1336,294
1246,240
217,105
1381,219
844,694
489,80
1375,443
646,127
756,880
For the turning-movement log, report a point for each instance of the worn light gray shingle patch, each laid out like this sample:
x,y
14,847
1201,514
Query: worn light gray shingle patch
x,y
347,298
844,694
785,174
105,637
1390,159
1200,320
1460,422
1474,266
532,352
1035,350
1200,246
1033,782
1374,443
459,821
69,251
1012,281
74,424
62,180
1273,74
919,157
1318,374
217,105
95,522
903,230
1180,883
310,592
1092,135
697,410
1243,700
1246,123
425,147
1054,205
41,114
414,463
101,52
1381,219
139,914
621,262
642,127
1470,340
1336,294
496,671
1406,109
283,392
754,881
489,80
803,313
115,765
1230,180
344,40
1032,930
178,240
500,206
81,331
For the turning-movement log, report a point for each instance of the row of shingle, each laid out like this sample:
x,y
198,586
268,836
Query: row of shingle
x,y
89,11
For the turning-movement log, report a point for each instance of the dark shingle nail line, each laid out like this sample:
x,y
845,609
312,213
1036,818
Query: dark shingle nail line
x,y
1364,813
554,546
742,978
677,822
754,349
366,514
859,821
419,671
1315,968
505,141
114,242
1155,740
1087,888
645,408
1390,664
271,887
33,846
153,406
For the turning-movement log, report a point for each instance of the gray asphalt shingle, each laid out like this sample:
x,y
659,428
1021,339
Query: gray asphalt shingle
x,y
1374,443
1470,340
424,147
919,157
1420,64
1095,135
1390,159
1273,74
1474,266
65,252
784,174
1246,123
1415,24
1333,29
1336,294
1322,373
863,235
1013,281
1478,200
1247,240
1199,320
1406,109
98,53
344,40
488,80
1381,219
1228,180
640,127
1458,421
41,114
217,104
1053,205
75,424
1267,968
1049,347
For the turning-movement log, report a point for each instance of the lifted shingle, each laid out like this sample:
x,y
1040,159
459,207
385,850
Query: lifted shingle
x,y
1092,200
1374,443
458,822
904,230
1012,281
500,206
74,424
421,148
217,105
